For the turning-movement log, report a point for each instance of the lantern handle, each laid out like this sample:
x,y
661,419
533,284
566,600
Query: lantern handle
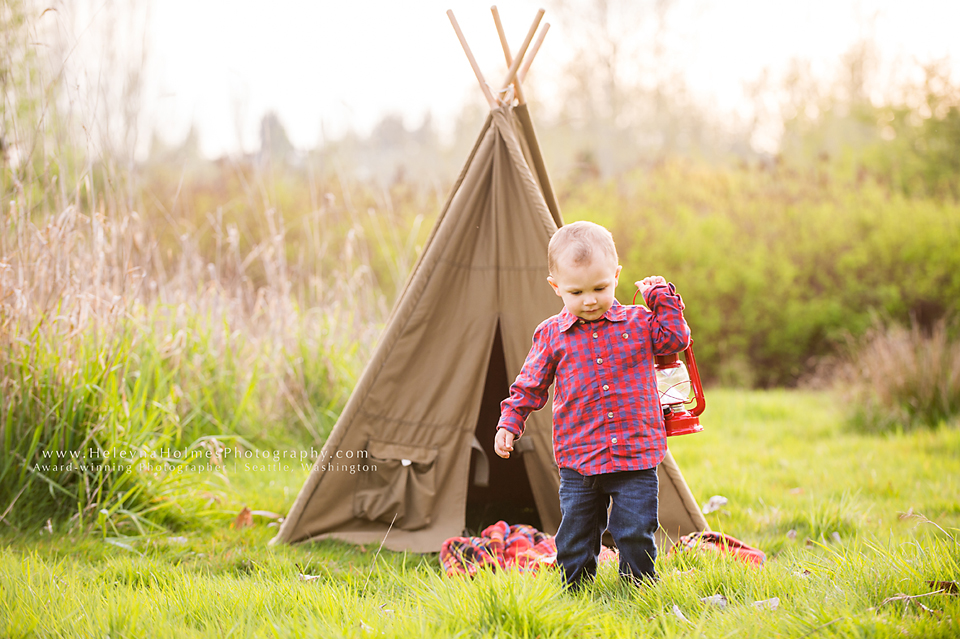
x,y
694,372
695,378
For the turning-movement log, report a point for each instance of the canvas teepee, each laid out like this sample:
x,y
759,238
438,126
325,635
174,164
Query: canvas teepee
x,y
412,451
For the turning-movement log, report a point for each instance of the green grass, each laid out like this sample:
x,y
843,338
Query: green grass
x,y
161,381
758,449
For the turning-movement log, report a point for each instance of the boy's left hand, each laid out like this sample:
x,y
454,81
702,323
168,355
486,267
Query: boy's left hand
x,y
648,283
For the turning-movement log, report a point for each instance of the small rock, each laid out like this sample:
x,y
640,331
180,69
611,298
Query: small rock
x,y
715,600
714,503
767,604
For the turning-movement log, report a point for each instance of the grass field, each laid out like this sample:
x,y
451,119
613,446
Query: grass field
x,y
793,477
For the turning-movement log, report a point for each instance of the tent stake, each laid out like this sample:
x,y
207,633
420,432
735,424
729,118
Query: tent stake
x,y
506,53
473,63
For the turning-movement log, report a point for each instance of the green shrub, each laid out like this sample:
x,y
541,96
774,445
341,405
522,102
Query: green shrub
x,y
776,267
901,378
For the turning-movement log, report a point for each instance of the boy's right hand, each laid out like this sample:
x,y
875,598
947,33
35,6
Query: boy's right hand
x,y
503,444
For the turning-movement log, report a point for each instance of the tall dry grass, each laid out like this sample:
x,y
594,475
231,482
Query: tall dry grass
x,y
104,347
105,344
131,322
899,378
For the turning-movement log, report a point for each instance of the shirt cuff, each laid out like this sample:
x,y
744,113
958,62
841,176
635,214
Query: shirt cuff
x,y
510,425
667,289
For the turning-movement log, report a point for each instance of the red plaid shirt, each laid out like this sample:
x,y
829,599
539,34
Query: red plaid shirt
x,y
606,409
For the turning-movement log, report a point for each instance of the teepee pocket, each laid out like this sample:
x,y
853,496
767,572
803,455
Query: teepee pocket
x,y
403,486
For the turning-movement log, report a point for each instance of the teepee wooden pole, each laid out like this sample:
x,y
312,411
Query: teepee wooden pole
x,y
473,63
503,37
506,52
522,73
511,74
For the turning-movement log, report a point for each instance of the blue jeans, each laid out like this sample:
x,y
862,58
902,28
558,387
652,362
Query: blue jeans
x,y
584,501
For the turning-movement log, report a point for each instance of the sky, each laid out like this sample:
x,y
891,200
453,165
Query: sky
x,y
325,66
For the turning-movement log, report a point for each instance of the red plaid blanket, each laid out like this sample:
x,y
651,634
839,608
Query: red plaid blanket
x,y
498,546
526,549
504,546
721,543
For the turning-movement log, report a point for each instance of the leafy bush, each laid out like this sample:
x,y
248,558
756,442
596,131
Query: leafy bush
x,y
776,267
901,378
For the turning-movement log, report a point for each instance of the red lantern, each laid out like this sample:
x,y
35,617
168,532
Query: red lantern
x,y
674,385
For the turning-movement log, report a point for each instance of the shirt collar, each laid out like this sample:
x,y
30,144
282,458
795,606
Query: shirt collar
x,y
616,313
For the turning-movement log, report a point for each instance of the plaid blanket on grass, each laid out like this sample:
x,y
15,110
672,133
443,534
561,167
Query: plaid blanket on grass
x,y
500,545
721,543
526,549
503,546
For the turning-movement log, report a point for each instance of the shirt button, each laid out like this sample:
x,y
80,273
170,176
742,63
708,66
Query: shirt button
x,y
610,415
605,387
594,335
624,336
614,440
599,360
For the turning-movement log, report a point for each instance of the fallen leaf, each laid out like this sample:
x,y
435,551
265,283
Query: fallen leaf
x,y
714,503
715,600
949,587
679,613
791,534
835,536
244,519
767,604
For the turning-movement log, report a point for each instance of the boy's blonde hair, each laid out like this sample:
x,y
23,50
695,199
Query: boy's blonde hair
x,y
581,239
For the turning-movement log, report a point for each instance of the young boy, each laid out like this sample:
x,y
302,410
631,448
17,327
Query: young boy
x,y
608,431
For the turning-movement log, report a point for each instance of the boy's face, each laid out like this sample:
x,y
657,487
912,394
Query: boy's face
x,y
586,289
